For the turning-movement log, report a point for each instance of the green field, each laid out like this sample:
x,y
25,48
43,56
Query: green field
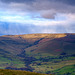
x,y
67,70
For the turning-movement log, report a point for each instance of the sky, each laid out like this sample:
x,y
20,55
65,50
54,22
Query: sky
x,y
37,16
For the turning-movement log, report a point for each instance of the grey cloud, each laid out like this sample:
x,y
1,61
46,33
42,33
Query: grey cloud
x,y
70,2
17,1
48,14
46,8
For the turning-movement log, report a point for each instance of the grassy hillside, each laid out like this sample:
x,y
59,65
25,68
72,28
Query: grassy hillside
x,y
42,53
18,72
63,43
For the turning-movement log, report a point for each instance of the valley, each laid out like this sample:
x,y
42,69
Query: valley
x,y
41,53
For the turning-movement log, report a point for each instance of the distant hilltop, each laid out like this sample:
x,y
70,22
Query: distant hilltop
x,y
41,35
